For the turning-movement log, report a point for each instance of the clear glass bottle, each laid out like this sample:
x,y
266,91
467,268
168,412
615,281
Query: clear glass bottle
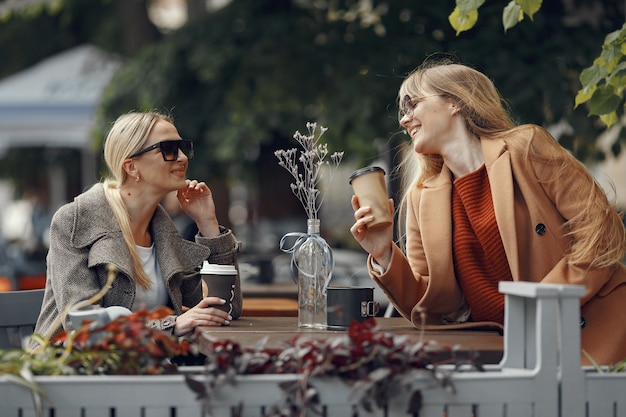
x,y
313,262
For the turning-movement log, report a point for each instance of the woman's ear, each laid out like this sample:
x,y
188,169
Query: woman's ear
x,y
129,166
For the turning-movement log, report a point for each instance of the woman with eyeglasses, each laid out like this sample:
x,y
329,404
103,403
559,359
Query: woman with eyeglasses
x,y
488,201
121,222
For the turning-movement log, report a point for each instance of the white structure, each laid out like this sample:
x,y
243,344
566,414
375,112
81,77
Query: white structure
x,y
539,376
52,105
611,173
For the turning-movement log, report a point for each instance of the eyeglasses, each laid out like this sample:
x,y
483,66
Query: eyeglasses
x,y
409,104
169,149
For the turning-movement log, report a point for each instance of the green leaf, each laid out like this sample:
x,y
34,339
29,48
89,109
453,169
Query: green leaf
x,y
609,119
618,80
614,36
591,76
530,7
619,69
604,101
512,15
583,95
462,21
611,56
600,61
468,6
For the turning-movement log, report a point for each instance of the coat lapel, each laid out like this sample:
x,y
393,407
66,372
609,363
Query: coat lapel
x,y
498,164
175,254
95,225
436,221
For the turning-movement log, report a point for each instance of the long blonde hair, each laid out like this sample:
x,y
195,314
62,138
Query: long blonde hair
x,y
597,234
596,241
127,136
475,95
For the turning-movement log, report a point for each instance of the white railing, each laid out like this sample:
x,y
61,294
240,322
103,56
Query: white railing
x,y
540,375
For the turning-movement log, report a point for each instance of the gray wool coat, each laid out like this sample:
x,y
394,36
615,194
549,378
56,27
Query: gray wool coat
x,y
85,237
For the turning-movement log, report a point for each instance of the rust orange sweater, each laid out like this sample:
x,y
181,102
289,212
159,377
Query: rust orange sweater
x,y
479,258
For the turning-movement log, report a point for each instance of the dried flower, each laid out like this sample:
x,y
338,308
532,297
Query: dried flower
x,y
312,158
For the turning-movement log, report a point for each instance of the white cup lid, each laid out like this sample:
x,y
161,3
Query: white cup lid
x,y
217,269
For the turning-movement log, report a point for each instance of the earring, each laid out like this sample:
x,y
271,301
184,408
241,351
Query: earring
x,y
137,178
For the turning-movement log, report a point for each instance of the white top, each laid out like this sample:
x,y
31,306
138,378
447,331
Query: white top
x,y
156,295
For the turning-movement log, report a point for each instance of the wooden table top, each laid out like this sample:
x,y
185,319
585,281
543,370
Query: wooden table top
x,y
247,331
286,289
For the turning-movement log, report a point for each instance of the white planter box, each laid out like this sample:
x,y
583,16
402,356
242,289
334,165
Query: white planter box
x,y
537,377
486,394
605,394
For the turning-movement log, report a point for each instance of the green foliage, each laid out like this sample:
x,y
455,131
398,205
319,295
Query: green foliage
x,y
249,75
603,83
240,81
465,14
35,29
30,9
511,16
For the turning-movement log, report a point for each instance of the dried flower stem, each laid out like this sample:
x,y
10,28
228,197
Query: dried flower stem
x,y
312,158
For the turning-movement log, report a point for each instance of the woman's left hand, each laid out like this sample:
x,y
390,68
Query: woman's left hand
x,y
196,200
203,314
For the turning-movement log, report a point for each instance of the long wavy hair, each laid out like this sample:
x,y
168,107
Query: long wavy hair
x,y
127,135
597,241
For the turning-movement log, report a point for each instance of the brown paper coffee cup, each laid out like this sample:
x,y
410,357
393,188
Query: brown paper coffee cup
x,y
370,188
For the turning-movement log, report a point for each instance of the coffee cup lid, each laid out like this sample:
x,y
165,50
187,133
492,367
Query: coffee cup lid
x,y
217,269
362,171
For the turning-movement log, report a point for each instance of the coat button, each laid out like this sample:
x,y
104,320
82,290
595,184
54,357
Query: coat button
x,y
583,322
540,229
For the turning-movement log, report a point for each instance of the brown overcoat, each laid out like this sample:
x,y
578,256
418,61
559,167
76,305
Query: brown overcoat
x,y
532,201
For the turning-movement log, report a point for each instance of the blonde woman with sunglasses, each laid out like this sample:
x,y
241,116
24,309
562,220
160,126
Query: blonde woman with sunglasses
x,y
486,201
121,222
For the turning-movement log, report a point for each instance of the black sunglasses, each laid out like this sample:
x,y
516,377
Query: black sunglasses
x,y
169,149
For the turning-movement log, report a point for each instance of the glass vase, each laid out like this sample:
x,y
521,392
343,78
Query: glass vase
x,y
313,264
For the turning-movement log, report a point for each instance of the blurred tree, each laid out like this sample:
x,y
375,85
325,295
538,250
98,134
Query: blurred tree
x,y
563,24
256,71
241,80
34,29
31,30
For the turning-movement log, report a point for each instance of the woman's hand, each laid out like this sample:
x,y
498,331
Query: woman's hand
x,y
196,200
376,241
202,315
